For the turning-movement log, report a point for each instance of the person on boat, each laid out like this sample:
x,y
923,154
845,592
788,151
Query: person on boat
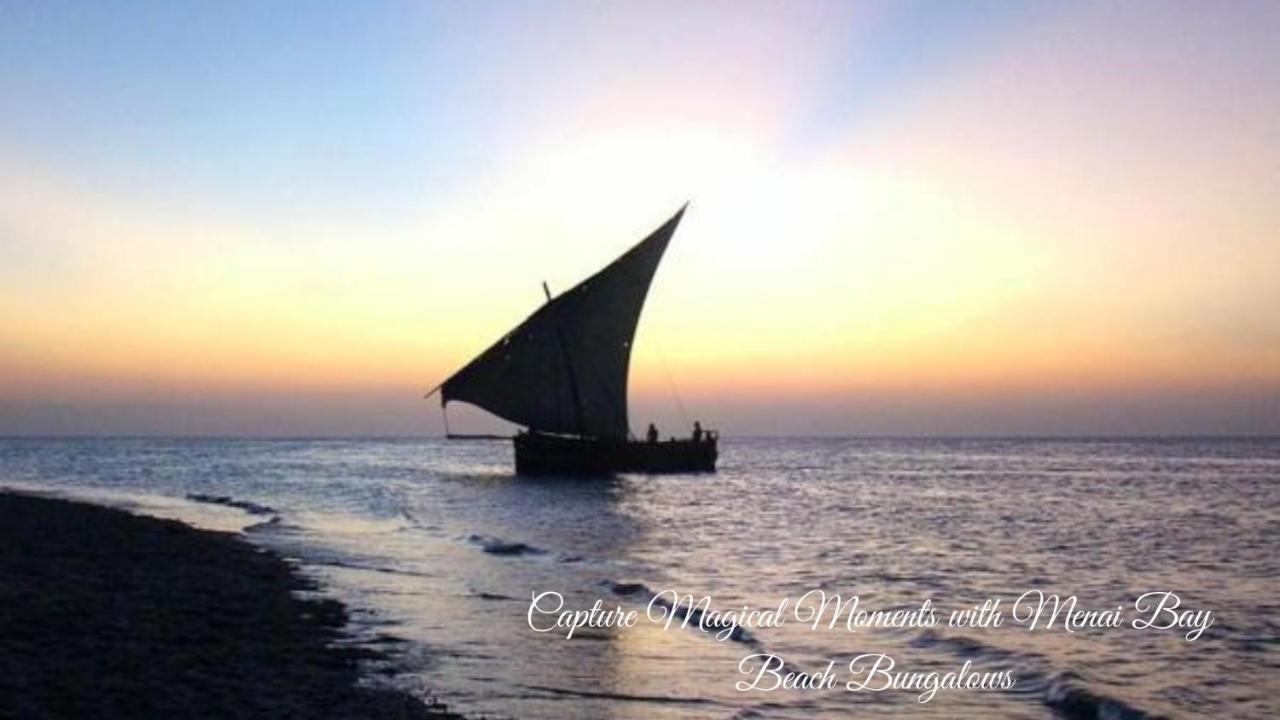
x,y
652,435
697,431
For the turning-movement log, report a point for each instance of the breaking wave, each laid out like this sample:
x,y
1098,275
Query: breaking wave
x,y
252,508
498,546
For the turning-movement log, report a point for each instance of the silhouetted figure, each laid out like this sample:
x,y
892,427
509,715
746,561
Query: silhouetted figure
x,y
652,435
697,431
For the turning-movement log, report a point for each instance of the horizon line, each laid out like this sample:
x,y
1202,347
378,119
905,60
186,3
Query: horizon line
x,y
802,436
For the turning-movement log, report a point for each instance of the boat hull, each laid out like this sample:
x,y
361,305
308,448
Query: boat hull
x,y
538,454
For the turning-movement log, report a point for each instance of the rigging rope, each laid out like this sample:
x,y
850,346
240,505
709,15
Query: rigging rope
x,y
671,383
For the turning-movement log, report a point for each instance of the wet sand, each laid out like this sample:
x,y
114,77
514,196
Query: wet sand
x,y
104,614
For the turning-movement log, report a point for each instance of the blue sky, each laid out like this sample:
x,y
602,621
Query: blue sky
x,y
259,105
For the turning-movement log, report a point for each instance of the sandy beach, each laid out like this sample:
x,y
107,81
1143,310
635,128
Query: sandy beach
x,y
110,615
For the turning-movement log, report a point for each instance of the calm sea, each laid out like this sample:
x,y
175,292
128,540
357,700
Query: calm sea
x,y
438,548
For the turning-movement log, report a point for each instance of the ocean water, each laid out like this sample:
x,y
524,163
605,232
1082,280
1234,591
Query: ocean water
x,y
438,548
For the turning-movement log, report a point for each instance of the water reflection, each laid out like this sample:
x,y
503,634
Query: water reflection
x,y
443,547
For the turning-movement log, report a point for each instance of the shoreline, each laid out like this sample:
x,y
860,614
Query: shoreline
x,y
113,615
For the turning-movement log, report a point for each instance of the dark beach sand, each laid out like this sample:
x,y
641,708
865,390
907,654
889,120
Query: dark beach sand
x,y
104,614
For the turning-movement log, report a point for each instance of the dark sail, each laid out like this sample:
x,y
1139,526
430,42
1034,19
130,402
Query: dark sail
x,y
564,369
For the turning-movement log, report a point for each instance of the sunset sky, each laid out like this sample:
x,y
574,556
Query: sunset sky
x,y
907,218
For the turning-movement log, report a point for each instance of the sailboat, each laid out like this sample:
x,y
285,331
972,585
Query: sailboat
x,y
562,375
